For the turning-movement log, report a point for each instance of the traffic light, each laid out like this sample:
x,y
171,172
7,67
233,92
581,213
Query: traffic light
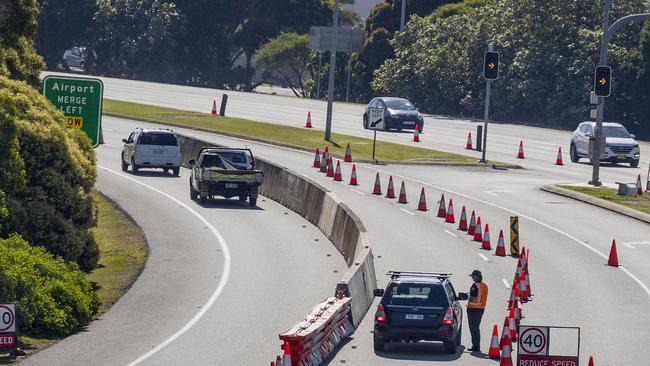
x,y
603,81
491,65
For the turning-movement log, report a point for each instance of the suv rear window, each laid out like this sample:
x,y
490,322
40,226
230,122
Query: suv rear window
x,y
159,139
417,294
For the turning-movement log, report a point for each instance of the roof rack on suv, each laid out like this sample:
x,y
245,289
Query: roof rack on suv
x,y
397,274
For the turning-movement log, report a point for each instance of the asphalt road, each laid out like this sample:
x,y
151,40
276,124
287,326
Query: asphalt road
x,y
220,282
568,241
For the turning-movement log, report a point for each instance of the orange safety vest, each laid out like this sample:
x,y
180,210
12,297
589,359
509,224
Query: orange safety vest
x,y
480,300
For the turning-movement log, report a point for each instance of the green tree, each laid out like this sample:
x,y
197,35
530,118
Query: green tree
x,y
285,59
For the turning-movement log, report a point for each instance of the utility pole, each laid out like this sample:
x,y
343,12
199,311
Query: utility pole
x,y
401,26
330,90
595,179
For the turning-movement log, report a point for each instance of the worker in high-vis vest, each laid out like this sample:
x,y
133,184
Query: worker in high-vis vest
x,y
475,308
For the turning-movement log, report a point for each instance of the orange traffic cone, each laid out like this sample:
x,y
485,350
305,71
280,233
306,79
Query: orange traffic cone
x,y
486,238
558,160
402,194
308,123
348,154
449,217
506,357
468,145
523,289
442,211
478,235
327,152
377,189
520,155
513,329
278,361
353,177
513,314
504,334
501,246
390,193
591,361
639,188
472,224
214,107
494,344
337,175
330,167
416,134
272,363
462,224
422,205
317,159
323,163
286,358
613,256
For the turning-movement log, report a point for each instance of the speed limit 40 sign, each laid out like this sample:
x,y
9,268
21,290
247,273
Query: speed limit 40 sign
x,y
536,349
7,325
533,340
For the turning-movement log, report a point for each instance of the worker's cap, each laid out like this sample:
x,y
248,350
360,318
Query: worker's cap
x,y
477,273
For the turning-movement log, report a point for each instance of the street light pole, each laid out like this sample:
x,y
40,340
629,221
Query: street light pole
x,y
330,90
598,135
401,26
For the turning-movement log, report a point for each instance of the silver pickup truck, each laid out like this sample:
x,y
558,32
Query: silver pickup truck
x,y
225,172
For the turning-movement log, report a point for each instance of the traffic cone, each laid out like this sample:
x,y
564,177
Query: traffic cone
x,y
308,123
377,189
272,363
353,177
402,194
516,312
390,193
511,314
639,188
286,358
501,246
478,235
337,175
613,256
520,155
442,211
472,224
449,217
330,167
520,268
513,329
462,224
317,159
278,361
486,238
558,160
323,163
327,152
348,154
494,344
505,339
416,134
214,107
422,205
591,361
523,289
506,357
468,145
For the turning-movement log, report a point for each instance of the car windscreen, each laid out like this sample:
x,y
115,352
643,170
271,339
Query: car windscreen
x,y
236,158
400,104
615,131
417,294
212,161
160,139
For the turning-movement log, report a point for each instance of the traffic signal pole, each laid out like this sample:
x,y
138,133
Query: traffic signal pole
x,y
486,114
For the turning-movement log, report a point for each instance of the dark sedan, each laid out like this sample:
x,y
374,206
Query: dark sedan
x,y
399,113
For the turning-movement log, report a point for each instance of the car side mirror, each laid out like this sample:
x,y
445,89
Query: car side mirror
x,y
632,135
125,141
192,162
379,292
462,296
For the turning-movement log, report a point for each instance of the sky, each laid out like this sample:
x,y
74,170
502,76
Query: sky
x,y
363,7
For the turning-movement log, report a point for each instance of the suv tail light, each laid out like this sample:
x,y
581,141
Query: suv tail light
x,y
380,315
449,317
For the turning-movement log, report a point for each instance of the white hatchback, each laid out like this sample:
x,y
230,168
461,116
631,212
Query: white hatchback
x,y
152,149
620,145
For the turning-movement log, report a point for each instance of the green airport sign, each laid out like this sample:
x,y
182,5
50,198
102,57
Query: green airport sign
x,y
80,100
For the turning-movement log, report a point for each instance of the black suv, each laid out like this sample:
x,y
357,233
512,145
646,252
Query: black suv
x,y
419,306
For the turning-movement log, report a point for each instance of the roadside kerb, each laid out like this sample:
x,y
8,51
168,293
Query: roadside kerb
x,y
323,209
626,211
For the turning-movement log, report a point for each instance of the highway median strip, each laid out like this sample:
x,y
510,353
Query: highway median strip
x,y
292,137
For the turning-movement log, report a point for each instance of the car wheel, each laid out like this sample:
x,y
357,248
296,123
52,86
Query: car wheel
x,y
65,65
134,167
82,66
459,336
176,171
450,346
243,198
574,154
365,121
378,344
634,163
166,170
125,166
252,202
192,191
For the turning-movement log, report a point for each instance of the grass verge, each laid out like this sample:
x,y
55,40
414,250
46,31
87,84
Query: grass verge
x,y
300,137
639,203
123,253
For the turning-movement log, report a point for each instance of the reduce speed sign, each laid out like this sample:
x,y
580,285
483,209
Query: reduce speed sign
x,y
533,340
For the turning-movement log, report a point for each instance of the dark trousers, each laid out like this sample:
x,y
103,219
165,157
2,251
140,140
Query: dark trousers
x,y
474,320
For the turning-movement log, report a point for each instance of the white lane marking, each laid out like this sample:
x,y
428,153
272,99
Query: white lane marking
x,y
358,191
225,273
495,191
602,255
484,257
407,211
450,233
631,244
505,283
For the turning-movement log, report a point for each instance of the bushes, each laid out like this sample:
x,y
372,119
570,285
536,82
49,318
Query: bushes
x,y
50,180
52,295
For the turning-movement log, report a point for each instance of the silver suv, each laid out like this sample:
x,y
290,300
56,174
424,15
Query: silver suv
x,y
620,145
151,149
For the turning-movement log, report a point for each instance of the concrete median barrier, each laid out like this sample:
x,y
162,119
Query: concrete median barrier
x,y
323,209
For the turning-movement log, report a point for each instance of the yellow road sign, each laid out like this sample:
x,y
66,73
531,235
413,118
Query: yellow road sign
x,y
514,235
74,122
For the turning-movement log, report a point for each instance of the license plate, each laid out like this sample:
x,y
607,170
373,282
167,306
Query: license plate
x,y
158,151
414,317
408,123
620,157
231,185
